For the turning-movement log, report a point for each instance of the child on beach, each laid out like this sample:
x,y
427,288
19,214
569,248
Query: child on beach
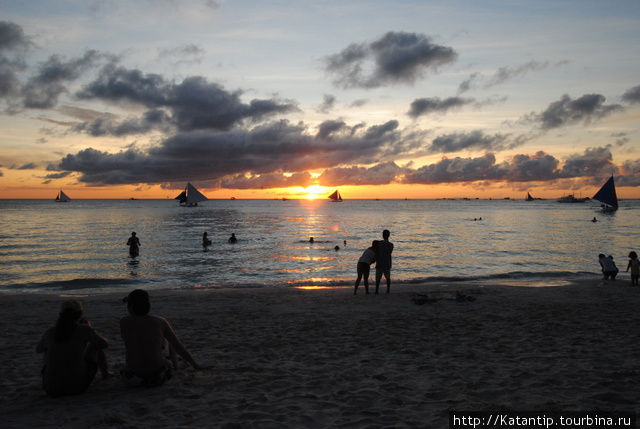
x,y
609,269
364,266
73,353
634,264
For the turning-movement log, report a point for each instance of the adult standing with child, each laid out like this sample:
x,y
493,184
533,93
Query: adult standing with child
x,y
383,251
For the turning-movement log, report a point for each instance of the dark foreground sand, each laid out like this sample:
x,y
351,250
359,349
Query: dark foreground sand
x,y
324,358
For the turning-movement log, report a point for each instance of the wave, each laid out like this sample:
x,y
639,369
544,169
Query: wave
x,y
74,284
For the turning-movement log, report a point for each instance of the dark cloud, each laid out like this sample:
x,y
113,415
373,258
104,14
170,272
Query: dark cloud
x,y
12,37
380,174
397,57
424,106
506,73
468,83
328,103
457,170
29,166
474,140
193,103
358,103
266,181
181,51
107,124
42,90
268,148
632,95
594,162
54,176
567,111
630,173
530,168
13,43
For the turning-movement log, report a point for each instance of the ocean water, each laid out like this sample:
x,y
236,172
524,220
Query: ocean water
x,y
81,245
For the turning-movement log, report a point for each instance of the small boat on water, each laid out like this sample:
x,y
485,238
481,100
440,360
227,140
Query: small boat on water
x,y
62,197
572,199
530,198
190,197
335,197
607,196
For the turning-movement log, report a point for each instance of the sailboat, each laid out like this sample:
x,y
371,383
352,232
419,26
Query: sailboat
x,y
190,197
335,197
529,197
607,196
62,197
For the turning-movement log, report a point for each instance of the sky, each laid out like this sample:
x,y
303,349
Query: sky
x,y
380,99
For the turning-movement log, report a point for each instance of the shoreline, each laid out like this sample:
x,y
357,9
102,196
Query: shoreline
x,y
288,357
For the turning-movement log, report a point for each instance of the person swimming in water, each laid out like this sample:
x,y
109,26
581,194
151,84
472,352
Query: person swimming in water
x,y
205,240
233,238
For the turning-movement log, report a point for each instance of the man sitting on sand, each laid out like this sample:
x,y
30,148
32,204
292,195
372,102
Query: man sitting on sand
x,y
383,260
73,352
145,336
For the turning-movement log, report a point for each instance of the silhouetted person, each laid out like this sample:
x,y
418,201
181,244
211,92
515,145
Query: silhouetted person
x,y
364,266
134,245
634,264
205,240
594,219
310,239
609,269
336,248
383,260
145,337
73,352
233,238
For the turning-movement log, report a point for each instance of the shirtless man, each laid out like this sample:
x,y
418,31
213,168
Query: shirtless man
x,y
383,260
145,336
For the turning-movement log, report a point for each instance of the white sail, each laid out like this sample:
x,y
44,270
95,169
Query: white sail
x,y
190,196
62,197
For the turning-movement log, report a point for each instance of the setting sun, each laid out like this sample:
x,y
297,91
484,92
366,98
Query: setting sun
x,y
314,192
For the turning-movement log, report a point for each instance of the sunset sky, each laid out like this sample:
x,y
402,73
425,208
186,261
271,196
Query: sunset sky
x,y
381,99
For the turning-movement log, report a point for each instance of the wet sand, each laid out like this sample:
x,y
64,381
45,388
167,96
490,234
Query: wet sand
x,y
325,358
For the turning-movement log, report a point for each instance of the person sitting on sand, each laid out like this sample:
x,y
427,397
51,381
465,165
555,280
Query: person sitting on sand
x,y
73,352
634,264
383,260
134,245
205,240
609,269
145,336
364,266
233,239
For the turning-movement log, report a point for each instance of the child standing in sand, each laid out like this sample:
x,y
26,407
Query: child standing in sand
x,y
364,266
634,264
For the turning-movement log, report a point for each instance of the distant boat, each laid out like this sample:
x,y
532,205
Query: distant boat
x,y
335,197
62,197
530,198
190,197
572,199
607,196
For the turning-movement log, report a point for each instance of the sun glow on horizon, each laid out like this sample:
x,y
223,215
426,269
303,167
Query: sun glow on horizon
x,y
314,192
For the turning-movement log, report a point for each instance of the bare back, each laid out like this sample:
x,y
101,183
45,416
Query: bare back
x,y
144,338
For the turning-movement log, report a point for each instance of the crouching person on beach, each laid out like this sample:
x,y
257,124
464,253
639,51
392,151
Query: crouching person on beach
x,y
145,337
73,353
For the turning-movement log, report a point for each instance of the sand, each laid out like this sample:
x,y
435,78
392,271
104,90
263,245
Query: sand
x,y
325,358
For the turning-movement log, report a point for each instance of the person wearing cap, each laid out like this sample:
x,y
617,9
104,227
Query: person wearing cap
x,y
145,336
73,352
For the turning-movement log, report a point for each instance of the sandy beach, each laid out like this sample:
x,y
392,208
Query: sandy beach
x,y
320,358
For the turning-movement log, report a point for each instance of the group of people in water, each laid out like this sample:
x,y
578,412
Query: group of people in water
x,y
610,270
74,350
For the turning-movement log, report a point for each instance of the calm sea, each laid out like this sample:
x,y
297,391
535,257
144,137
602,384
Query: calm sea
x,y
49,246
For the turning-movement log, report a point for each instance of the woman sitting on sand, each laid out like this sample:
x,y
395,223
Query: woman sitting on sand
x,y
73,352
145,336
